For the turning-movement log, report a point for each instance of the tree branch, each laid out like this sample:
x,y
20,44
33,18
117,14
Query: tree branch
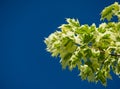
x,y
115,54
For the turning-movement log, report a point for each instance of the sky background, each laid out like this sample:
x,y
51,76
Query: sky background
x,y
24,62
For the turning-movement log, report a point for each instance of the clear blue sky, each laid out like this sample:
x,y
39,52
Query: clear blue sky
x,y
24,62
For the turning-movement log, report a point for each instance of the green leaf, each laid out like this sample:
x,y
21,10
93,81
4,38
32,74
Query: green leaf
x,y
87,38
73,22
83,29
65,60
109,11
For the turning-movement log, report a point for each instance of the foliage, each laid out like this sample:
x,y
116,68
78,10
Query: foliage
x,y
95,51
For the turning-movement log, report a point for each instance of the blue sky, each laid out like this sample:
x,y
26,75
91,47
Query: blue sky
x,y
24,62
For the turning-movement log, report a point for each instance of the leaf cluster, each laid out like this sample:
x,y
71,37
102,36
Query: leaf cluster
x,y
95,51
